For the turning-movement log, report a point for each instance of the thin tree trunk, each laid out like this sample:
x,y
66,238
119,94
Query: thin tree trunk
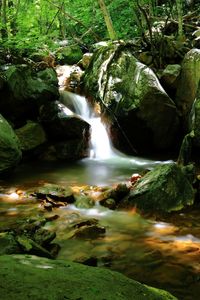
x,y
13,23
108,21
180,17
4,32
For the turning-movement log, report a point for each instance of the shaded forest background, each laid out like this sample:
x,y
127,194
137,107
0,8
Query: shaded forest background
x,y
31,25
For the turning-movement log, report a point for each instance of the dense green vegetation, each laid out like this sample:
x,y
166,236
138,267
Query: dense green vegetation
x,y
32,24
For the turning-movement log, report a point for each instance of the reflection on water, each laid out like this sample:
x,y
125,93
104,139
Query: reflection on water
x,y
87,171
162,253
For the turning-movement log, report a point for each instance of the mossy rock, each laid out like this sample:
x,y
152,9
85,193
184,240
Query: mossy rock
x,y
10,153
25,91
132,100
30,277
164,189
188,83
31,136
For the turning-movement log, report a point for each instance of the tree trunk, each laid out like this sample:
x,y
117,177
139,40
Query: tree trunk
x,y
179,6
4,32
108,21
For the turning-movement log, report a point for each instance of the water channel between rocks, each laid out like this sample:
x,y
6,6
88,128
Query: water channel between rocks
x,y
163,253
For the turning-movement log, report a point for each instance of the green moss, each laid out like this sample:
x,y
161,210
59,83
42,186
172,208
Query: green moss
x,y
165,188
30,277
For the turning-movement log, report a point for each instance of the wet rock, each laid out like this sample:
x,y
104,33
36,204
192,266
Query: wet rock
x,y
8,244
31,136
29,246
109,203
128,92
68,134
85,61
44,237
72,82
89,232
163,189
28,236
55,192
25,91
83,201
169,79
88,222
185,153
118,192
91,261
10,153
64,279
194,120
188,84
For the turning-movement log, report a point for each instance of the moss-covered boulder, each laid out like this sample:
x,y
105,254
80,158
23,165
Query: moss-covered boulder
x,y
83,201
188,83
55,192
10,153
138,110
164,189
30,277
31,136
25,91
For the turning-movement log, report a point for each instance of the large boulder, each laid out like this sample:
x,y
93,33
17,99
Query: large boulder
x,y
164,189
31,277
188,84
67,132
10,153
25,91
138,110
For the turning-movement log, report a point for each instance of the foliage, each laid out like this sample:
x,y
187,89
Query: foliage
x,y
40,24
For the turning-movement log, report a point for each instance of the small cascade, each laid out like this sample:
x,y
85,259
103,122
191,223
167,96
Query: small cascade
x,y
100,144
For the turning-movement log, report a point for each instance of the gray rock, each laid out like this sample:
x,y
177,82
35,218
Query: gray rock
x,y
134,103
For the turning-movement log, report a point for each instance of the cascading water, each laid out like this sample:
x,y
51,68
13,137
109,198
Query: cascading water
x,y
104,165
100,144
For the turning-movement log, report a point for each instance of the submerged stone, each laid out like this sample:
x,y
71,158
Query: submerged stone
x,y
164,189
55,192
40,278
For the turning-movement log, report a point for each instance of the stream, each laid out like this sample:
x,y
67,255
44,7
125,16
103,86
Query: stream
x,y
160,251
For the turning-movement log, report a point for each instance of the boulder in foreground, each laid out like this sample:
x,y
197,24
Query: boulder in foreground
x,y
30,277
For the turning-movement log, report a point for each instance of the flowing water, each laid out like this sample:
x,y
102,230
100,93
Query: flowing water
x,y
162,252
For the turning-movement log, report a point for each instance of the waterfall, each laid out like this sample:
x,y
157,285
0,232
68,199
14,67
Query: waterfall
x,y
101,148
100,144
